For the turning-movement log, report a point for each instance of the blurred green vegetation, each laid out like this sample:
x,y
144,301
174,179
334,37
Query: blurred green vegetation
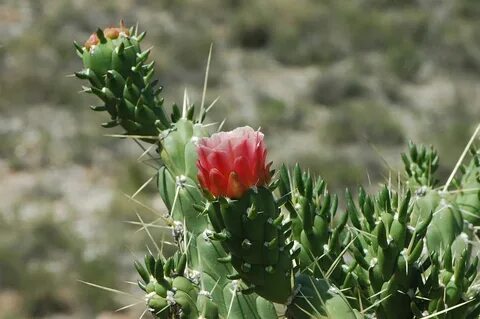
x,y
336,85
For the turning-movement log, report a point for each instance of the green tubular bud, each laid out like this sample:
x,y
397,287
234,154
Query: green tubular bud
x,y
368,211
162,287
381,235
349,281
416,252
387,219
142,271
115,82
182,263
352,210
181,283
284,183
150,287
127,109
403,211
320,186
150,263
394,200
334,205
320,229
387,259
308,187
460,268
452,294
142,285
297,174
307,217
384,200
169,267
88,74
176,114
191,112
159,306
422,225
79,48
324,210
398,232
337,231
360,258
362,195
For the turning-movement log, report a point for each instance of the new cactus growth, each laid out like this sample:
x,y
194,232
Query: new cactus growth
x,y
118,74
249,238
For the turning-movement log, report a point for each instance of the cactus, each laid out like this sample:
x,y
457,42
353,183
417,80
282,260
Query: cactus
x,y
249,238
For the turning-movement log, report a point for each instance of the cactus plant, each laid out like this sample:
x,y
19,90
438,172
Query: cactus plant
x,y
250,240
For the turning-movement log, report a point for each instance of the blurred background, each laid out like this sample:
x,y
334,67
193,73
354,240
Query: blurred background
x,y
339,86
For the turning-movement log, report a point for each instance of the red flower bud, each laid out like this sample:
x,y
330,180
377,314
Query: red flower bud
x,y
229,163
114,32
92,40
110,33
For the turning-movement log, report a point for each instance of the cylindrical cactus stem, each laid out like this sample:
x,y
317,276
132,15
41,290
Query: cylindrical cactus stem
x,y
252,234
118,74
178,186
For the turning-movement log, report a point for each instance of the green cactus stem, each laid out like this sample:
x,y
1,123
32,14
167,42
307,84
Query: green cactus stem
x,y
250,229
118,74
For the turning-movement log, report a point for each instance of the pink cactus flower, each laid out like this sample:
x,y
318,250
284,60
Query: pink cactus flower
x,y
229,163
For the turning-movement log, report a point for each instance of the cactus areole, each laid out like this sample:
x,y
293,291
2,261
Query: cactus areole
x,y
247,239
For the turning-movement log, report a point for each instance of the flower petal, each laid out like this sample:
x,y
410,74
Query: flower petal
x,y
243,171
231,162
218,183
235,188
